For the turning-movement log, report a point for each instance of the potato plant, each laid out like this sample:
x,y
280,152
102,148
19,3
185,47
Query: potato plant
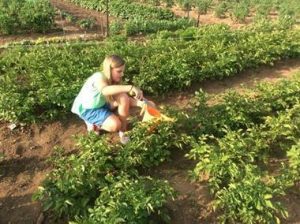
x,y
250,201
102,184
139,26
235,163
241,111
130,200
25,16
158,66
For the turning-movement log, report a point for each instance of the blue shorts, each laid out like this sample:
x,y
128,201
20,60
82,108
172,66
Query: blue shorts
x,y
97,116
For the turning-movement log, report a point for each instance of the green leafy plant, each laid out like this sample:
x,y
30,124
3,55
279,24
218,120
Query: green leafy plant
x,y
249,201
116,27
140,26
86,23
202,7
70,18
294,162
102,184
169,3
186,5
150,144
239,11
235,162
221,9
130,200
24,16
43,93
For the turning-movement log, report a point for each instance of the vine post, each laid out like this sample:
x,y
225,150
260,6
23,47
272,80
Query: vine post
x,y
107,19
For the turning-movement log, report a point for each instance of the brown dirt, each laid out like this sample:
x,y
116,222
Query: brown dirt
x,y
192,204
82,13
26,150
249,78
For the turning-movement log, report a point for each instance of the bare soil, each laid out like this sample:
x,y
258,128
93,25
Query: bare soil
x,y
27,149
249,78
82,13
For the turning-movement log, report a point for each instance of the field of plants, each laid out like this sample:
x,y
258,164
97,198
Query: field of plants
x,y
229,156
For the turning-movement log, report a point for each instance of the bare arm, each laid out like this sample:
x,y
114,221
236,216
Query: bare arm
x,y
115,89
110,90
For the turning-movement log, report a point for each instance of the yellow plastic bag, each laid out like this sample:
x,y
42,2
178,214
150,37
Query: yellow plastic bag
x,y
151,113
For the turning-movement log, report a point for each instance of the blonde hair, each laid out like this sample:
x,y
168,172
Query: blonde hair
x,y
110,62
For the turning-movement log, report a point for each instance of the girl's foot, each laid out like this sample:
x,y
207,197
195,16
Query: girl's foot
x,y
123,138
92,128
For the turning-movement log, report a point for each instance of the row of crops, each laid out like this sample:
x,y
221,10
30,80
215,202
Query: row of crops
x,y
248,150
38,16
148,16
236,10
134,17
23,15
31,91
238,138
103,184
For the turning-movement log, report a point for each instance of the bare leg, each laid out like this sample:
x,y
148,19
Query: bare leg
x,y
139,103
123,102
123,109
111,124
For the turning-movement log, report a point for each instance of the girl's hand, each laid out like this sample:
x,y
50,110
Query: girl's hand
x,y
138,94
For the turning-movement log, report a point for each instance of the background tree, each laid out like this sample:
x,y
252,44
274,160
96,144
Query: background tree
x,y
221,9
202,7
169,3
239,11
186,5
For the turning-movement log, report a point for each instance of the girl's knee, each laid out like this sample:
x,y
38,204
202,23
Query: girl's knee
x,y
112,124
123,98
116,124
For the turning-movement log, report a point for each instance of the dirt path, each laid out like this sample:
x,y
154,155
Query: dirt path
x,y
281,70
82,13
27,149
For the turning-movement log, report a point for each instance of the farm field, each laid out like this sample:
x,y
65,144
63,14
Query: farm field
x,y
28,148
230,155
